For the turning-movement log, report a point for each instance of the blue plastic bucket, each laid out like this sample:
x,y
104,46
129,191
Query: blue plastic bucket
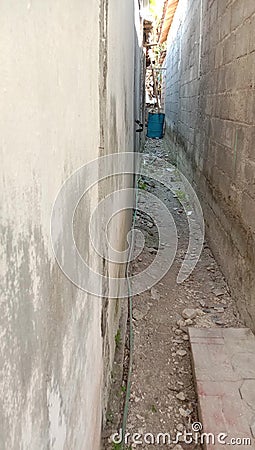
x,y
155,125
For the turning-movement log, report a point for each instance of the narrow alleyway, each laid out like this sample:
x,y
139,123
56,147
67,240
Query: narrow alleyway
x,y
163,398
193,368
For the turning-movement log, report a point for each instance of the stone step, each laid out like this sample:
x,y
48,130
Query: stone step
x,y
224,371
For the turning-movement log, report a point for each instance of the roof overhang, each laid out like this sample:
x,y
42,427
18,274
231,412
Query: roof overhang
x,y
167,19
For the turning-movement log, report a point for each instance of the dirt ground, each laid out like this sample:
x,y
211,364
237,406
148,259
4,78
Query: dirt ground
x,y
163,398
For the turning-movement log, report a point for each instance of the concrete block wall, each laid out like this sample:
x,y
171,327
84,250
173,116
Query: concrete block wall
x,y
66,97
210,118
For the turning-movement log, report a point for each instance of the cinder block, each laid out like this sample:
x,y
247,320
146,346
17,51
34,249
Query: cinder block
x,y
225,24
229,133
222,182
213,13
228,46
239,105
222,7
250,142
222,131
219,55
251,45
249,173
230,78
249,8
243,40
248,208
237,13
224,162
244,69
215,36
222,79
251,107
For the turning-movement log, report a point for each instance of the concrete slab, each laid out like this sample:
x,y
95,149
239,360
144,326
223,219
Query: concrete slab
x,y
224,370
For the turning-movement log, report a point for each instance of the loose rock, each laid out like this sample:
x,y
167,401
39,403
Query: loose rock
x,y
178,332
155,294
218,292
181,352
188,322
189,313
183,412
138,315
139,417
181,323
219,310
178,341
181,396
152,250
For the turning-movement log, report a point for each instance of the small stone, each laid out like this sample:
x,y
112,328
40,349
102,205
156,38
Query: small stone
x,y
181,353
222,305
185,337
140,259
155,294
218,292
178,447
181,323
219,310
208,310
180,427
219,322
138,315
178,332
178,341
181,396
139,417
183,412
152,250
189,313
188,322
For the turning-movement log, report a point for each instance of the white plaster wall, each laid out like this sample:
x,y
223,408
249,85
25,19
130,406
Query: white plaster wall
x,y
51,353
